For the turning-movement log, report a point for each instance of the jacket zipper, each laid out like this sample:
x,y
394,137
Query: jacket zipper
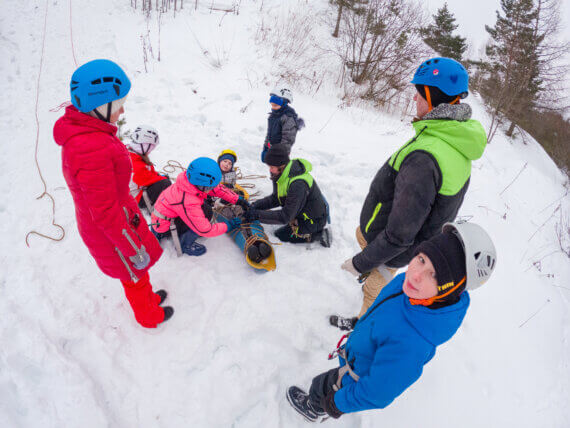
x,y
406,145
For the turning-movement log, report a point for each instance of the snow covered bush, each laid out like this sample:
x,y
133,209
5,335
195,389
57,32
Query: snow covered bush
x,y
380,45
289,35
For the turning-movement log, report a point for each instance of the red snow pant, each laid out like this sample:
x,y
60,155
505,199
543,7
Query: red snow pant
x,y
144,302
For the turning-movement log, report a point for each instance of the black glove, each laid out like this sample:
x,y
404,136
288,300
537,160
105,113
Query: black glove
x,y
243,203
328,405
251,215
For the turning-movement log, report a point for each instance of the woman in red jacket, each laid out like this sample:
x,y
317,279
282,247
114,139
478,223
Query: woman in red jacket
x,y
97,169
146,184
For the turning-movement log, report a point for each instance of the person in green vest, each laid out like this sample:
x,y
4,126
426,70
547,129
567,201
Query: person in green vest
x,y
422,185
304,210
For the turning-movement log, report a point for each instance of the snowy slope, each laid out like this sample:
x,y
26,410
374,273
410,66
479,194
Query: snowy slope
x,y
71,353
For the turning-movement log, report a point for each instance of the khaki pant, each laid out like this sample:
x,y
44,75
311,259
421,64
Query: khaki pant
x,y
376,281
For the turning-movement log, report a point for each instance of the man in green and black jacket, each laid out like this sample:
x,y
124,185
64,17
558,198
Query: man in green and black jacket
x,y
304,211
422,185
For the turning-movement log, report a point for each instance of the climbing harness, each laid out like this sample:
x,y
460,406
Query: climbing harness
x,y
173,232
147,200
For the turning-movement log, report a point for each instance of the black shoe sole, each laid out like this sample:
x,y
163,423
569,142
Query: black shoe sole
x,y
163,295
289,399
333,320
168,312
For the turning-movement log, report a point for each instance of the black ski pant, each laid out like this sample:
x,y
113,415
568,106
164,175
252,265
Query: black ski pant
x,y
285,234
321,386
154,190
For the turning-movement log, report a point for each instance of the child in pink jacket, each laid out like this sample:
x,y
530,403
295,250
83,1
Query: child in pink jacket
x,y
183,203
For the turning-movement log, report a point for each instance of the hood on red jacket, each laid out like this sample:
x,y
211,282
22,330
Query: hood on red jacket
x,y
74,123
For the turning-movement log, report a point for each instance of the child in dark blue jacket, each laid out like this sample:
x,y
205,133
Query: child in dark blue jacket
x,y
283,122
416,312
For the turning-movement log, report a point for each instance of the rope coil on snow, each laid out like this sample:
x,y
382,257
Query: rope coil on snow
x,y
171,167
240,176
45,192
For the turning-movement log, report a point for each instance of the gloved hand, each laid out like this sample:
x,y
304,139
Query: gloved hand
x,y
329,406
251,215
243,203
349,267
140,260
232,224
264,152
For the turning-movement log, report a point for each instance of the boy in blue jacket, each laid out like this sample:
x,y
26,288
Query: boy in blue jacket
x,y
282,123
416,312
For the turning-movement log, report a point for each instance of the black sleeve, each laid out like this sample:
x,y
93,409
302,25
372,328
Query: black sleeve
x,y
296,200
266,203
415,191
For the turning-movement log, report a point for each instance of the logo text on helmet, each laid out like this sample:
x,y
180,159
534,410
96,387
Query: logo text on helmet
x,y
98,92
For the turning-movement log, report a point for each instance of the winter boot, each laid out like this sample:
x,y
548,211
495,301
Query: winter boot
x,y
258,252
189,246
168,312
343,323
326,238
253,254
194,249
161,296
144,302
264,250
299,400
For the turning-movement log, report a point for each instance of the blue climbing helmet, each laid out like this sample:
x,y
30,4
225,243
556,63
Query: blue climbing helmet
x,y
445,74
96,83
204,172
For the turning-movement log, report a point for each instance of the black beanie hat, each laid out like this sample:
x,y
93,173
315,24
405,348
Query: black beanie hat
x,y
437,96
277,155
446,253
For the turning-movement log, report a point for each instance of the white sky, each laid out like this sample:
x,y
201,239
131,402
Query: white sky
x,y
473,15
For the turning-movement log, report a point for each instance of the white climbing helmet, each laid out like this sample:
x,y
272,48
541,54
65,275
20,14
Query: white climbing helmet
x,y
480,253
143,140
283,92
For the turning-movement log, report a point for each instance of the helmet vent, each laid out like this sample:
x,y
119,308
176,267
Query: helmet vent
x,y
477,255
96,82
107,79
210,177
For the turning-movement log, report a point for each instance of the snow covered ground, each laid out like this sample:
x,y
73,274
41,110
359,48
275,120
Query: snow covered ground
x,y
71,353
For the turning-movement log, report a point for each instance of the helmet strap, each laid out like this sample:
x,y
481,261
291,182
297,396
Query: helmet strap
x,y
100,116
456,100
428,98
437,298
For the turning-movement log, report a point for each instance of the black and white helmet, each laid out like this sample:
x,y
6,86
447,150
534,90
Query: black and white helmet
x,y
143,140
283,92
480,253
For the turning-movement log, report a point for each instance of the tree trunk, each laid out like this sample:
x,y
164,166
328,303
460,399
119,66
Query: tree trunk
x,y
337,26
511,129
